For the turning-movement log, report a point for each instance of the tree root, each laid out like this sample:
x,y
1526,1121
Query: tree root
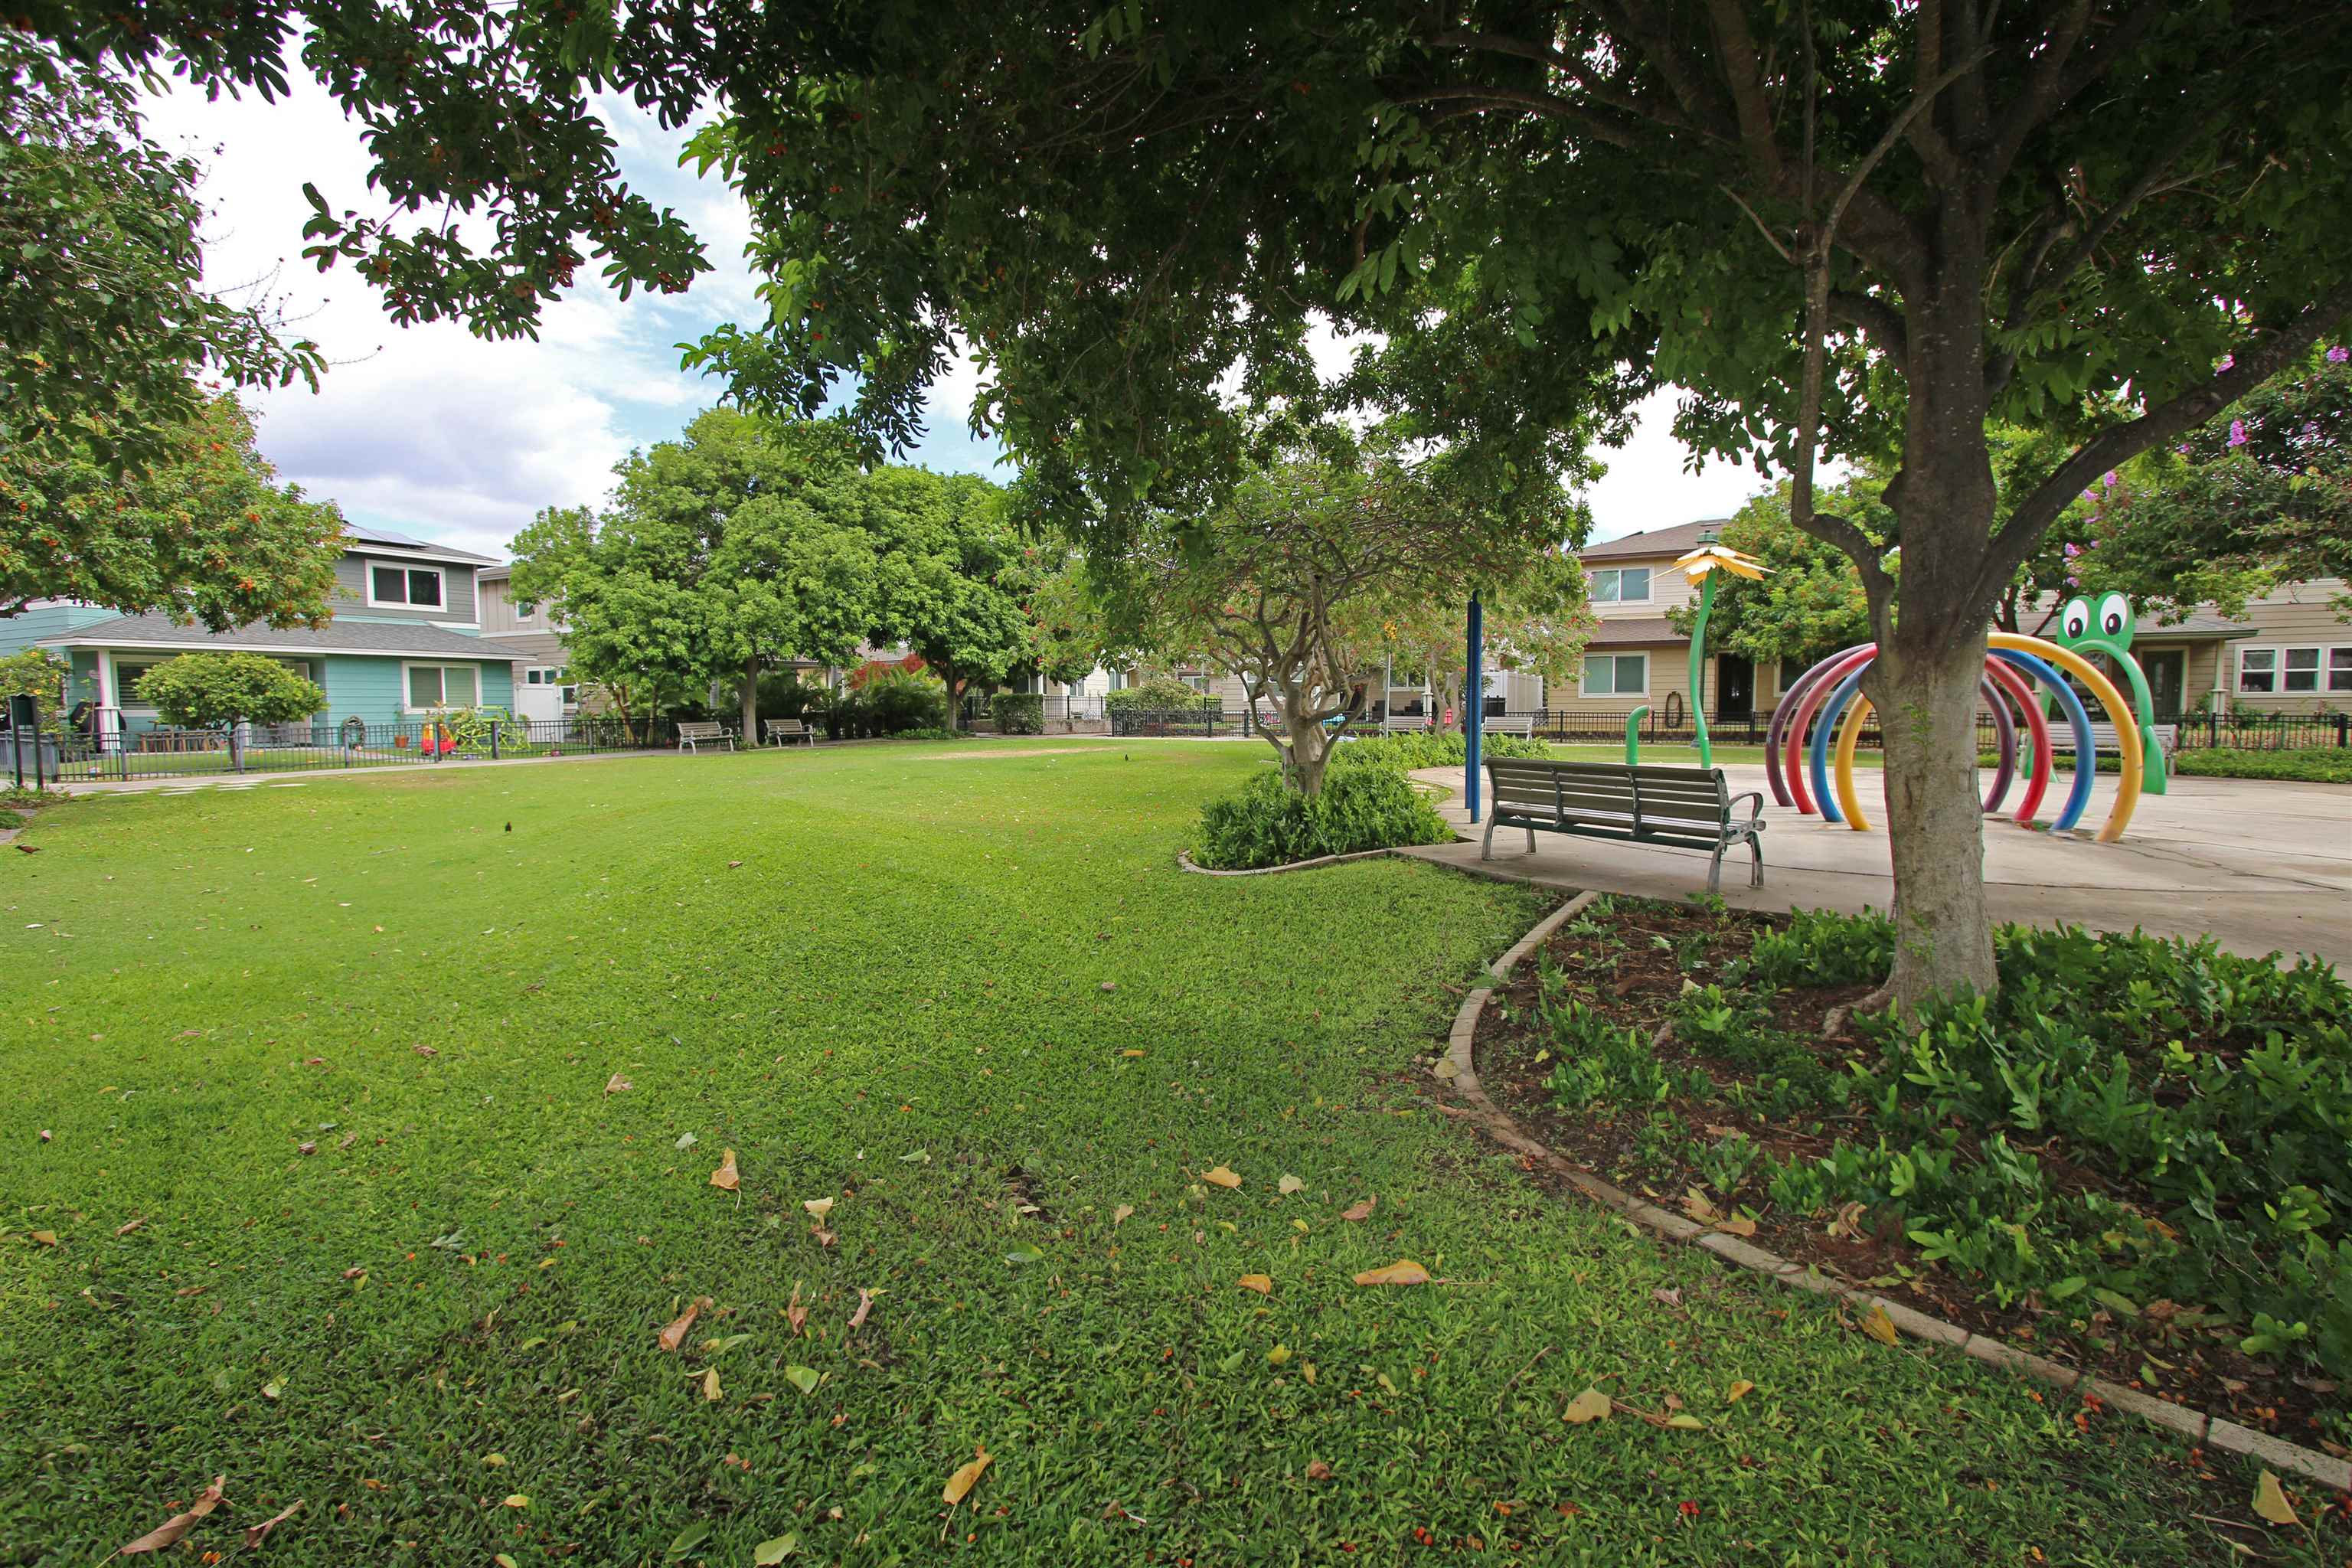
x,y
1834,1021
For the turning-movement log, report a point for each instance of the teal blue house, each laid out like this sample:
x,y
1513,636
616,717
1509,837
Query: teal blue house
x,y
404,644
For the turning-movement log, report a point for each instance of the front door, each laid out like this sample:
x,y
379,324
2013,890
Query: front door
x,y
537,695
2164,672
1734,695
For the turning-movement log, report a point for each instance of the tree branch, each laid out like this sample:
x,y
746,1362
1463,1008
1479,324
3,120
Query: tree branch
x,y
1745,78
2256,363
1885,324
2059,73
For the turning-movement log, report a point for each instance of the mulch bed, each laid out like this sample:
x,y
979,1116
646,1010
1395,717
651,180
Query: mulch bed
x,y
2206,1370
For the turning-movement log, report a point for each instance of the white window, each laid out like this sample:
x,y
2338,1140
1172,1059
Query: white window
x,y
2257,670
2294,671
1622,585
2302,669
2339,669
405,587
442,686
1616,675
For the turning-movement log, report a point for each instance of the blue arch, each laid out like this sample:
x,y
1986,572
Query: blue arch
x,y
1817,762
2078,796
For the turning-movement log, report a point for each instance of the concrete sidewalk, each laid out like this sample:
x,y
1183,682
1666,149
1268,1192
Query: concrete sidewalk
x,y
2262,866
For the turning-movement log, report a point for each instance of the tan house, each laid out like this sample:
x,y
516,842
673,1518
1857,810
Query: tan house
x,y
543,688
2290,652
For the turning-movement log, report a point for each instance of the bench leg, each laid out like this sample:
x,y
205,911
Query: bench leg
x,y
1756,872
1487,849
1715,870
1531,840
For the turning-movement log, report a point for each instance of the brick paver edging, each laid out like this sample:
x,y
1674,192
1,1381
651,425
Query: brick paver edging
x,y
1457,1068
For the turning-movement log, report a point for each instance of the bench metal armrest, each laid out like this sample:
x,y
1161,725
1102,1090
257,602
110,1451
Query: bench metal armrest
x,y
1755,818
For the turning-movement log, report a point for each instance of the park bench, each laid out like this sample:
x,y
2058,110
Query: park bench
x,y
782,732
2103,738
692,734
1520,724
1689,808
1404,723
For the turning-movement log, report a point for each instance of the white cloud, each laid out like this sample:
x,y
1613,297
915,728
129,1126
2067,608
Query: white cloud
x,y
1650,485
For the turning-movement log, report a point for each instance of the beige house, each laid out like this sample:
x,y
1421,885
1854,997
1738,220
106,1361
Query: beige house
x,y
2290,652
543,688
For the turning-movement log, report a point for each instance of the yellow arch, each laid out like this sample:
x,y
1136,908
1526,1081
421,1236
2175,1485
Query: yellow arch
x,y
2119,714
1848,734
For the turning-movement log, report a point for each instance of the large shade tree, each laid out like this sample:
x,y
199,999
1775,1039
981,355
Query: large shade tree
x,y
1881,225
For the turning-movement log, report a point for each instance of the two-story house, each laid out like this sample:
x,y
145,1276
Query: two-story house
x,y
404,643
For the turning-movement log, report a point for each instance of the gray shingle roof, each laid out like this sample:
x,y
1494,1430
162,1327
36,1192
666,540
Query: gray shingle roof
x,y
384,536
1636,631
411,637
1669,541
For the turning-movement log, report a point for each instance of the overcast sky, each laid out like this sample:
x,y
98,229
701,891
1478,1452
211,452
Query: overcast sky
x,y
433,432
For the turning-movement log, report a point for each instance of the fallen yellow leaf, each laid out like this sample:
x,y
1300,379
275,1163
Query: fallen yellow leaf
x,y
1404,1271
817,1208
1879,1326
46,1237
1308,1371
1360,1211
711,1385
1589,1405
2269,1501
1221,1177
1738,1392
616,1084
674,1335
1257,1282
965,1478
1119,1215
255,1534
1737,1226
1290,1184
726,1177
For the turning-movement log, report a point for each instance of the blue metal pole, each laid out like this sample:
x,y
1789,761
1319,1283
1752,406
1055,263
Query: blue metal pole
x,y
1473,717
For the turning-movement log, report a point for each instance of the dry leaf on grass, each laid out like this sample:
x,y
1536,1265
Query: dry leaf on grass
x,y
795,1314
617,1084
965,1478
1257,1282
169,1532
674,1335
45,1238
726,1177
127,1227
255,1534
1290,1184
711,1390
1879,1326
817,1208
1404,1271
1221,1177
2269,1501
1316,1470
1737,1226
1589,1405
1738,1392
864,1305
1121,1215
1360,1211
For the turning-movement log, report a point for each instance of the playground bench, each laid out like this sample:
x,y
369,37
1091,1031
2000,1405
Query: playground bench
x,y
1689,808
1520,724
781,731
692,734
1403,724
2103,738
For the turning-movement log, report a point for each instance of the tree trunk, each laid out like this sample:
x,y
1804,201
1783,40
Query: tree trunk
x,y
953,699
1931,656
749,708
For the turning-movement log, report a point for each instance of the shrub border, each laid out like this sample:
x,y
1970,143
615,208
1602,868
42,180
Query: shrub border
x,y
1184,862
1457,1069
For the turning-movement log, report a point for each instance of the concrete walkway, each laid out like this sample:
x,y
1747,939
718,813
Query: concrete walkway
x,y
2263,865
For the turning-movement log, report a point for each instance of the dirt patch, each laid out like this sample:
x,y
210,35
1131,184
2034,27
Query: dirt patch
x,y
1660,1151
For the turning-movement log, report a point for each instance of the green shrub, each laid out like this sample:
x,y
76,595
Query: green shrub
x,y
927,732
2315,764
1431,749
896,700
1821,947
1161,694
1018,714
204,690
1266,823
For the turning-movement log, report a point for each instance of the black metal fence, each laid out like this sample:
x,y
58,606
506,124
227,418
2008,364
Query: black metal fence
x,y
171,754
1209,719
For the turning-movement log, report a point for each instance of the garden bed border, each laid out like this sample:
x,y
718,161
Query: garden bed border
x,y
1457,1068
1184,862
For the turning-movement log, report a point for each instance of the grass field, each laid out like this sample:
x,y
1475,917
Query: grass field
x,y
314,1177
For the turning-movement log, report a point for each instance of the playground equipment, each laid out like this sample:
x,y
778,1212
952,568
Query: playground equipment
x,y
1702,566
2107,627
1828,699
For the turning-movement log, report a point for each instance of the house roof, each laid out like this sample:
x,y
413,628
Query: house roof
x,y
358,538
1667,542
395,638
1636,631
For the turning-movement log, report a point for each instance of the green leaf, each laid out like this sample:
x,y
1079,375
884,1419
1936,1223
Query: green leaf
x,y
802,1377
688,1542
1024,1253
1233,1362
774,1550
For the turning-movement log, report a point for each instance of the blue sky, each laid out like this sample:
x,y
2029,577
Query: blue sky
x,y
434,432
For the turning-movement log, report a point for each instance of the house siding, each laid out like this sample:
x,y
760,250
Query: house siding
x,y
2299,615
21,631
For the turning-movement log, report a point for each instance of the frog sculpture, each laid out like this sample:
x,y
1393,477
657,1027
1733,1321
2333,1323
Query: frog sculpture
x,y
2105,625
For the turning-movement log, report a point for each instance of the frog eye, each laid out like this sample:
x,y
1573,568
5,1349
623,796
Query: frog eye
x,y
2074,620
2114,617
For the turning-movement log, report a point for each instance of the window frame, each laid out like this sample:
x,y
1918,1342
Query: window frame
x,y
409,571
2330,671
408,703
1617,577
1584,675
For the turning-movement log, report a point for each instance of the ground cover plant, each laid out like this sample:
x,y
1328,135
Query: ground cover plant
x,y
361,1146
2318,765
2138,1156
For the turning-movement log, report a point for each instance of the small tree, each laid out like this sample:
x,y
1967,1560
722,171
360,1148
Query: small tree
x,y
37,673
205,690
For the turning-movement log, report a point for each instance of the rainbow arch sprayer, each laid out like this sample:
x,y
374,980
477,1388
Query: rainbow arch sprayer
x,y
1827,701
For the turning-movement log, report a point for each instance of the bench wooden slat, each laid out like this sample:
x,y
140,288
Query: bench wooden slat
x,y
1678,807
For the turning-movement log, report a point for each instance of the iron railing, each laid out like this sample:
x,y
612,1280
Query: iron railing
x,y
169,753
1208,719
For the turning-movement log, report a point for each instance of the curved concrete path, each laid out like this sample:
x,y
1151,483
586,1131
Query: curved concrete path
x,y
2261,865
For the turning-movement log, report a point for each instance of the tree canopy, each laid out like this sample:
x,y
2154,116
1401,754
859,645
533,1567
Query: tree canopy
x,y
203,533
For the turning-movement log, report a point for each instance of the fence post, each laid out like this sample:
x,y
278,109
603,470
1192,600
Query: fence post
x,y
494,740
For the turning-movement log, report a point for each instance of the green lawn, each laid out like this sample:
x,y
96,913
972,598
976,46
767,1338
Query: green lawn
x,y
895,1001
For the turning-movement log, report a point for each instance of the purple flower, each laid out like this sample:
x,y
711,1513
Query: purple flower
x,y
2072,552
2072,580
2090,495
2338,354
2227,360
2237,432
2182,448
2109,480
